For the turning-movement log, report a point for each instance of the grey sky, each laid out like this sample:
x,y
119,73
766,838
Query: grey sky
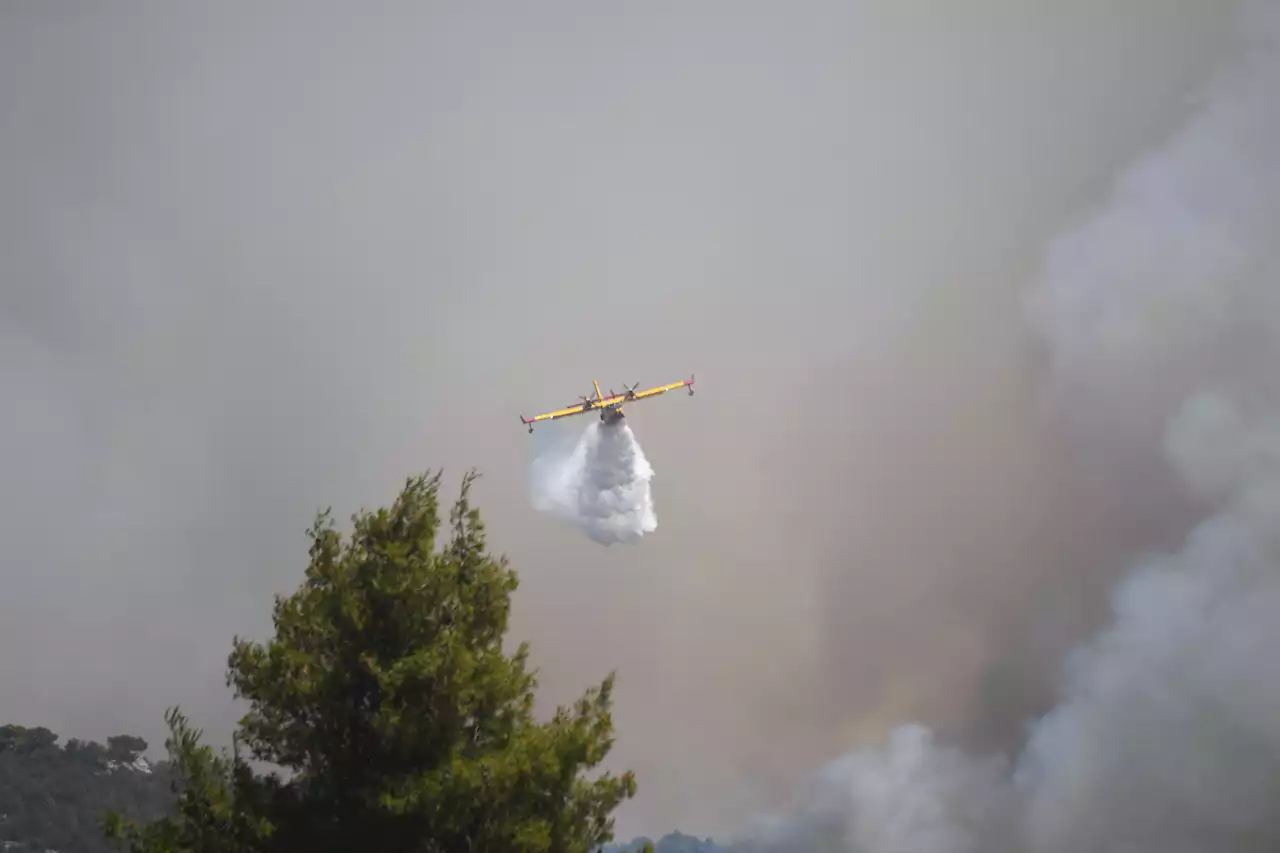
x,y
261,258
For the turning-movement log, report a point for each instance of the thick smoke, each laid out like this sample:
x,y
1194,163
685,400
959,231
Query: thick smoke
x,y
1161,317
1161,314
601,485
912,795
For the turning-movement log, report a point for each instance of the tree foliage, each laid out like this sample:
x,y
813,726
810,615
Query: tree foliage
x,y
125,748
400,722
675,842
55,798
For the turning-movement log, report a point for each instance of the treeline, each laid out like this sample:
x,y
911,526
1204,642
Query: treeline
x,y
675,842
55,797
385,698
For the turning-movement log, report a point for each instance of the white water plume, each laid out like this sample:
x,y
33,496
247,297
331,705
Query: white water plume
x,y
601,486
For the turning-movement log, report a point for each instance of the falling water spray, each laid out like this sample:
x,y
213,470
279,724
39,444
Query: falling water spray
x,y
601,485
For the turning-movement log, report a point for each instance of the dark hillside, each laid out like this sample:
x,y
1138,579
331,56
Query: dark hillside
x,y
53,797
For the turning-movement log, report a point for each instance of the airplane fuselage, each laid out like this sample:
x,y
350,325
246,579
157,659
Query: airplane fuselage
x,y
611,414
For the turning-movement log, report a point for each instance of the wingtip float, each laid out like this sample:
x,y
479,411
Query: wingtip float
x,y
610,407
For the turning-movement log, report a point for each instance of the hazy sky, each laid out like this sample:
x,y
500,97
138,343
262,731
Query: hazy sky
x,y
260,259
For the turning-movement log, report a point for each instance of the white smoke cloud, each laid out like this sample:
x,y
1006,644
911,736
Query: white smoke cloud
x,y
911,795
601,485
1160,314
1169,738
1161,311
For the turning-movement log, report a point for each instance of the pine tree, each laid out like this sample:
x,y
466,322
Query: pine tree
x,y
401,724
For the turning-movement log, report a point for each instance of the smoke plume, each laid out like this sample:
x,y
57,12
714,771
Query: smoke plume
x,y
1161,318
601,485
250,265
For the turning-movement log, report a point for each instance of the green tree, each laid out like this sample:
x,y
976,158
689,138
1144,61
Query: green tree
x,y
54,798
125,748
387,697
25,741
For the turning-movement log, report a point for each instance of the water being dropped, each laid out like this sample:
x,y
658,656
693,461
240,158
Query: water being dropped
x,y
601,485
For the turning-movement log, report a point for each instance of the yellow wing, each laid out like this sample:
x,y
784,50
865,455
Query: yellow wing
x,y
551,416
602,402
661,389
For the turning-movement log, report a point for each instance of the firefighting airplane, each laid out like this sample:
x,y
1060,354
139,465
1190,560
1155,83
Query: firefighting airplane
x,y
610,407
